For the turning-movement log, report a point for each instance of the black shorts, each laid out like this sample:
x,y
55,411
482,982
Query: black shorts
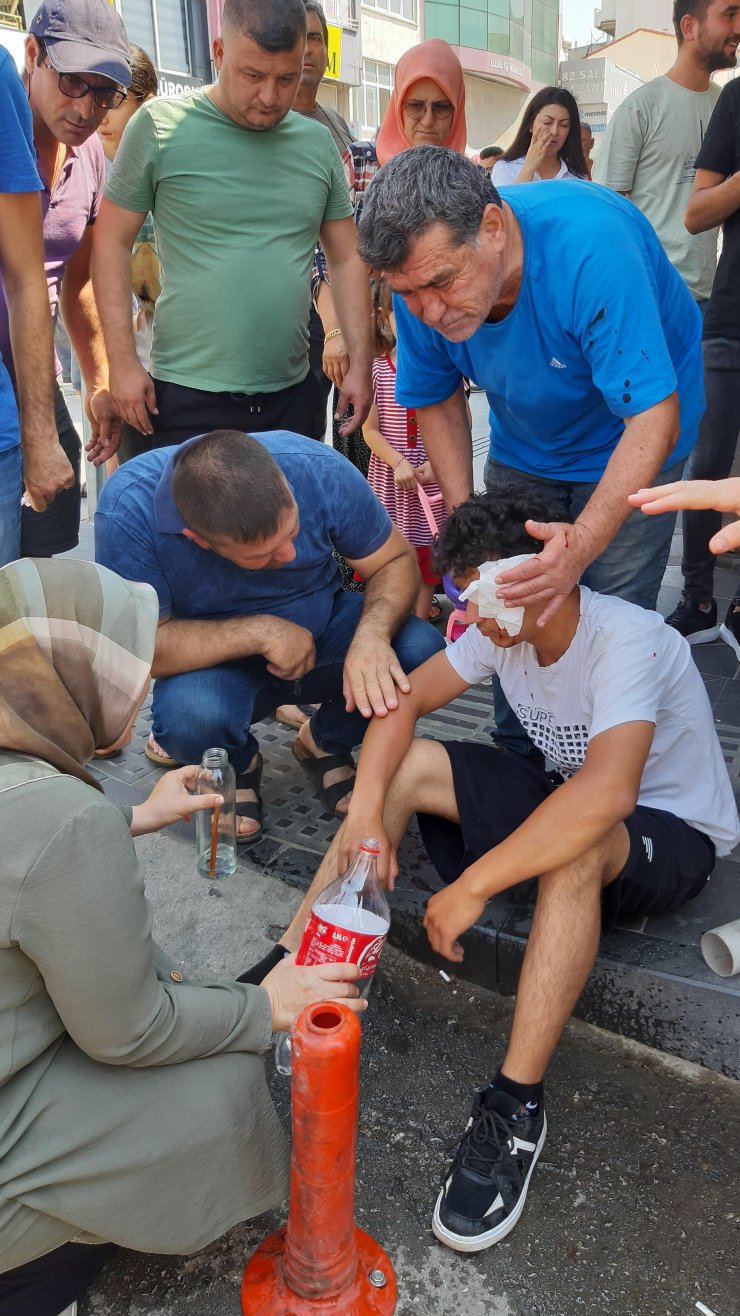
x,y
185,412
668,863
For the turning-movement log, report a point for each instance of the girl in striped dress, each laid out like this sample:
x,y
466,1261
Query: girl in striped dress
x,y
399,463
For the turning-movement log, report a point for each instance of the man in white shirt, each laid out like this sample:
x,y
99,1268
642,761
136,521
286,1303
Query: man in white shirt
x,y
624,826
650,146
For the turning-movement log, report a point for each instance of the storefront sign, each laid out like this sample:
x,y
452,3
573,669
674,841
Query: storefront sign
x,y
501,67
176,84
334,66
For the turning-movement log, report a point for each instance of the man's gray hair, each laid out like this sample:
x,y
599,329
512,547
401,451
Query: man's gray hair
x,y
423,186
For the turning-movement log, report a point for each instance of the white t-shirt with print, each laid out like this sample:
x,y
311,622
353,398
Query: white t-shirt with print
x,y
507,171
623,665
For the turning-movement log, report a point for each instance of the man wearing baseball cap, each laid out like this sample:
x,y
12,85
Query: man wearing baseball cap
x,y
77,68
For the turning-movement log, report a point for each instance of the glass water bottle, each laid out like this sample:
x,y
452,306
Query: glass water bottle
x,y
215,829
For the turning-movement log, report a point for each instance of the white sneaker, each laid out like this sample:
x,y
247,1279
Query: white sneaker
x,y
69,1311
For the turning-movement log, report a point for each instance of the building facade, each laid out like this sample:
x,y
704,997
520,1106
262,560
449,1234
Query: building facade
x,y
508,48
618,17
178,34
388,29
599,85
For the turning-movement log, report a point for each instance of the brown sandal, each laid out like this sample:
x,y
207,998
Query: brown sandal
x,y
161,760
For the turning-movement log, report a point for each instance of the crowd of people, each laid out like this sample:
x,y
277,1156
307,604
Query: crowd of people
x,y
252,568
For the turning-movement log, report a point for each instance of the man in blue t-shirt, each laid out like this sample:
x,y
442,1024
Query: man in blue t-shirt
x,y
557,299
237,537
45,466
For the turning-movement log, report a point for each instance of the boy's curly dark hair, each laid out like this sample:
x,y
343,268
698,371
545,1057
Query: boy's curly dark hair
x,y
488,526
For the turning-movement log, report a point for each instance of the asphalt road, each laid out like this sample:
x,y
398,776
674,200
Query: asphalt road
x,y
633,1209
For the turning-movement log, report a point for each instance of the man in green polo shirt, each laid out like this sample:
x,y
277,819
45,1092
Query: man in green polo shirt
x,y
240,188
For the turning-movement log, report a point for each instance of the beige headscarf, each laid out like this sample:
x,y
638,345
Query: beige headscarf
x,y
76,647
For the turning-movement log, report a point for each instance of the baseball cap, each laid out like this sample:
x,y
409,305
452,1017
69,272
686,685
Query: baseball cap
x,y
84,36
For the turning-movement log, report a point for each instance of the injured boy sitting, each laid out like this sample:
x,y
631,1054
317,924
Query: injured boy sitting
x,y
619,822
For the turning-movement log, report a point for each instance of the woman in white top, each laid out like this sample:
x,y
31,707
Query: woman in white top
x,y
548,143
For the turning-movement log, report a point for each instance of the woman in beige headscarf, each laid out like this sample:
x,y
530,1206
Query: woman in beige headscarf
x,y
133,1103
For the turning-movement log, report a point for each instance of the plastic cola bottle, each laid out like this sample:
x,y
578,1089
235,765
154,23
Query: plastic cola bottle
x,y
347,925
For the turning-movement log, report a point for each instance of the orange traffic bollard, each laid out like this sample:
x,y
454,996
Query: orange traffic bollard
x,y
321,1261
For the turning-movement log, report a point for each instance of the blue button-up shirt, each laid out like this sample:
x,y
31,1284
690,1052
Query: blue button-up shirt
x,y
138,533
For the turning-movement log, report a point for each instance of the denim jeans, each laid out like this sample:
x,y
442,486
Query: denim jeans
x,y
10,505
217,705
711,459
632,566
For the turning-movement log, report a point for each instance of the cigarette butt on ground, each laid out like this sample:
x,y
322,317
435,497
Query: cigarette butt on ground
x,y
447,978
705,1311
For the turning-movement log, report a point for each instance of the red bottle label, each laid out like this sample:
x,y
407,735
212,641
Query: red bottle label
x,y
328,943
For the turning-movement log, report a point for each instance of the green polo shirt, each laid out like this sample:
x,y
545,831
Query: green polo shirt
x,y
237,215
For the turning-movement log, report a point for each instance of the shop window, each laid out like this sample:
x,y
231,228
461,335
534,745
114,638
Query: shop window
x,y
370,101
516,41
162,29
498,34
139,21
473,29
172,25
401,8
544,67
443,21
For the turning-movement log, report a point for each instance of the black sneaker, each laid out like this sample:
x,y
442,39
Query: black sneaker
x,y
696,626
484,1191
730,629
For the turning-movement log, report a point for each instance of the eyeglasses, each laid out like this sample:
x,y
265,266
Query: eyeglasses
x,y
72,85
417,109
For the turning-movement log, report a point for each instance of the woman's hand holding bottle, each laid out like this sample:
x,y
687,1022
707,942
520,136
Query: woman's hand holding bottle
x,y
292,986
171,800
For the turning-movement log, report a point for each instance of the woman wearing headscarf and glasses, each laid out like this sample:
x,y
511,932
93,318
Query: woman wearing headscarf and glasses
x,y
133,1103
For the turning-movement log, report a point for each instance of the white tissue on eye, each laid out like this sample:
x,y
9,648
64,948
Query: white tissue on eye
x,y
483,593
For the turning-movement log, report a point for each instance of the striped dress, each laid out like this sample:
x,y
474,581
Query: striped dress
x,y
398,425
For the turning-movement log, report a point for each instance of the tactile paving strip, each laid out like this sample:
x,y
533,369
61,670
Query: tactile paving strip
x,y
729,739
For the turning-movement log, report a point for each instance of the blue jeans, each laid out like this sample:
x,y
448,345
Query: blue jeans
x,y
711,459
217,705
10,505
632,566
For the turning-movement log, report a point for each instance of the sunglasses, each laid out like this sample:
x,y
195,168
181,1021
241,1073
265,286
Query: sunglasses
x,y
72,85
417,109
